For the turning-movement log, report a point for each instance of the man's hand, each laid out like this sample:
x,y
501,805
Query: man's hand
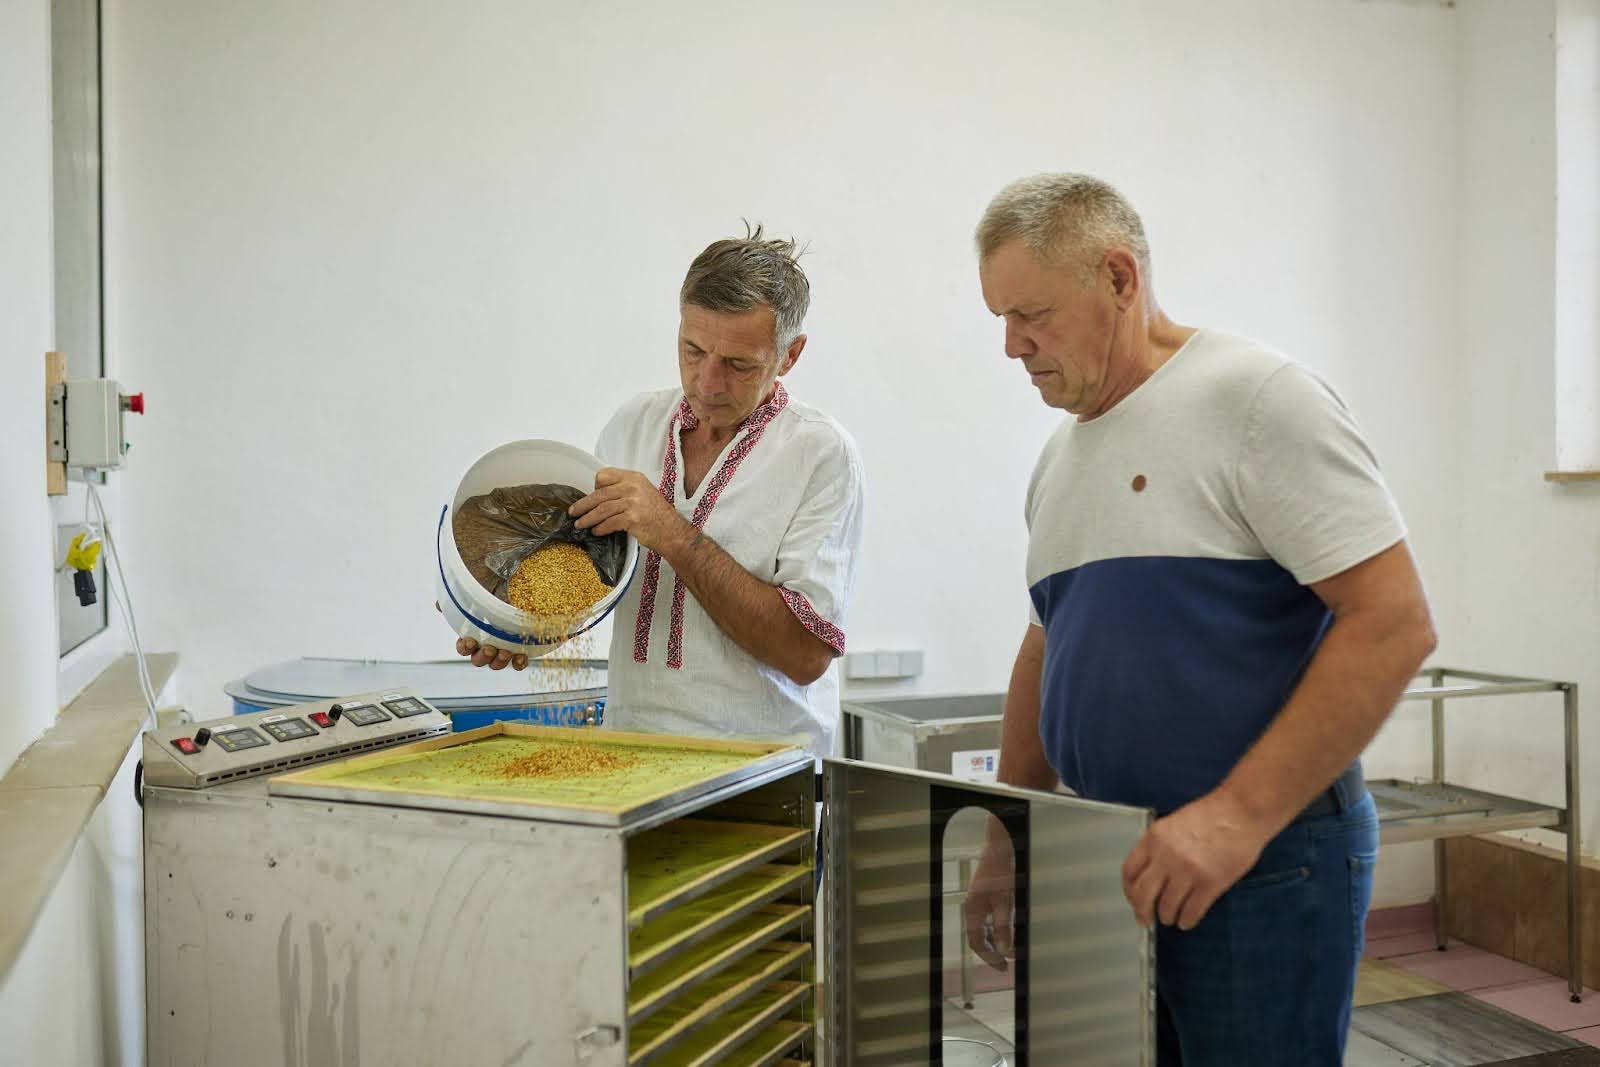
x,y
1187,860
488,656
627,500
496,659
989,904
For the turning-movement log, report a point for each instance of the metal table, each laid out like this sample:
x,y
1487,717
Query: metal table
x,y
926,733
1439,808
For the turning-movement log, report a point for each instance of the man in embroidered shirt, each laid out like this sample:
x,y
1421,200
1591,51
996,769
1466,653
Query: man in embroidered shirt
x,y
1224,612
750,507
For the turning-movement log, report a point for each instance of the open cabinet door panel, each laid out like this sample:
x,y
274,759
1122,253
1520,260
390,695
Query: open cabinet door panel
x,y
1083,981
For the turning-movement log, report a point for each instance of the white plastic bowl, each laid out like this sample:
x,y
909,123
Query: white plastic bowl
x,y
474,611
970,1052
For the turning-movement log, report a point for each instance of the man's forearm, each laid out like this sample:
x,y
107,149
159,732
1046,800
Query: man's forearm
x,y
751,612
1351,686
1022,758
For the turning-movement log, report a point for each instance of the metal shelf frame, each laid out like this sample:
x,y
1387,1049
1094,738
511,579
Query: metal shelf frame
x,y
1438,808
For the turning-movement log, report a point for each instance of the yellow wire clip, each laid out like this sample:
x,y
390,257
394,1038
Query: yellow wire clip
x,y
84,557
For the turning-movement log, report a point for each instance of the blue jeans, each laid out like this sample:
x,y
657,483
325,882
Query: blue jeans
x,y
1266,978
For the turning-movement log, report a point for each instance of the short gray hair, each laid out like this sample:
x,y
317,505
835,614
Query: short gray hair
x,y
739,274
1065,220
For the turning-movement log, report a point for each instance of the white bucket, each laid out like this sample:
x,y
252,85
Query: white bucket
x,y
474,611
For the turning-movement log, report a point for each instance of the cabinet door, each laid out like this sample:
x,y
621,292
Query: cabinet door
x,y
1082,985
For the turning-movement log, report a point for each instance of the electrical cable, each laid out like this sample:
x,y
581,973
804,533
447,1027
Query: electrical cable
x,y
115,574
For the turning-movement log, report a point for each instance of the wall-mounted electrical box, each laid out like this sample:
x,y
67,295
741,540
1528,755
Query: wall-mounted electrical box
x,y
86,423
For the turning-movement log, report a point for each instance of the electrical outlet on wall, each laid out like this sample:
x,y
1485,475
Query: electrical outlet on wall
x,y
859,665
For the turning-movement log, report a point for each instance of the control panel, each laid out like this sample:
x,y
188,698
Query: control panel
x,y
198,755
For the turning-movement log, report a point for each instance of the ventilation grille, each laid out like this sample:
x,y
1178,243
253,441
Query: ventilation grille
x,y
318,757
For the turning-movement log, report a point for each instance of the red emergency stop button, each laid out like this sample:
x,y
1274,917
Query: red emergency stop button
x,y
322,719
185,745
136,403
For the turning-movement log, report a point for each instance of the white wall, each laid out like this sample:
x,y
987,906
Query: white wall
x,y
27,610
1528,580
353,245
51,1005
73,998
49,1009
1577,330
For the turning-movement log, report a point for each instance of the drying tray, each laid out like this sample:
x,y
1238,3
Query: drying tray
x,y
454,773
687,858
749,935
753,977
755,1034
711,915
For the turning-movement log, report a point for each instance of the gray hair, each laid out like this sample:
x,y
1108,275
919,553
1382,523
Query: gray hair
x,y
1065,220
739,274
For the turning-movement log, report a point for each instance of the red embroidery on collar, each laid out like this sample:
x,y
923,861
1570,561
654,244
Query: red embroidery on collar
x,y
684,419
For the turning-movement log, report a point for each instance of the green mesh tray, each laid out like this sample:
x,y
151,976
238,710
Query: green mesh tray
x,y
466,772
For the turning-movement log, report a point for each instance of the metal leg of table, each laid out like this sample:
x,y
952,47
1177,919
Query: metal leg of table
x,y
1574,850
1440,897
966,949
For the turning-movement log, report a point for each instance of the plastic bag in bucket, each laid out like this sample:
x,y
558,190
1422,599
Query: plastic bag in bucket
x,y
536,482
497,530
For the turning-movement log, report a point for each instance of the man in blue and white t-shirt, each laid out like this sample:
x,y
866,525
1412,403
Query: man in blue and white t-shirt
x,y
1224,612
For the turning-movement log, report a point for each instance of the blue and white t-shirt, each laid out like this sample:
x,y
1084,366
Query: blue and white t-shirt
x,y
1171,544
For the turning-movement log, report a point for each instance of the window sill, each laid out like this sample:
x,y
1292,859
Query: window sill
x,y
1572,476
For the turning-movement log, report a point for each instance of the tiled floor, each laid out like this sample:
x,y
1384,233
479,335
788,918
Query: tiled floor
x,y
1415,1007
977,1029
1454,1030
1382,981
1463,1007
993,1010
1466,968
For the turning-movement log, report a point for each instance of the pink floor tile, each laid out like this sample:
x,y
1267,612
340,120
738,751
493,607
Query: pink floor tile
x,y
1589,1036
1392,922
1467,968
985,979
1547,1003
1382,948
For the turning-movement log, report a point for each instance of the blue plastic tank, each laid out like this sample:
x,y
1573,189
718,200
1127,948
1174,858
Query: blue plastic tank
x,y
471,696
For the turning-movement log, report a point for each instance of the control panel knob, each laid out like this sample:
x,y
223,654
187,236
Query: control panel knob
x,y
202,736
335,711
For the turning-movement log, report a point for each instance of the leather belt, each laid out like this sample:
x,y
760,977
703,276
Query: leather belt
x,y
1346,792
